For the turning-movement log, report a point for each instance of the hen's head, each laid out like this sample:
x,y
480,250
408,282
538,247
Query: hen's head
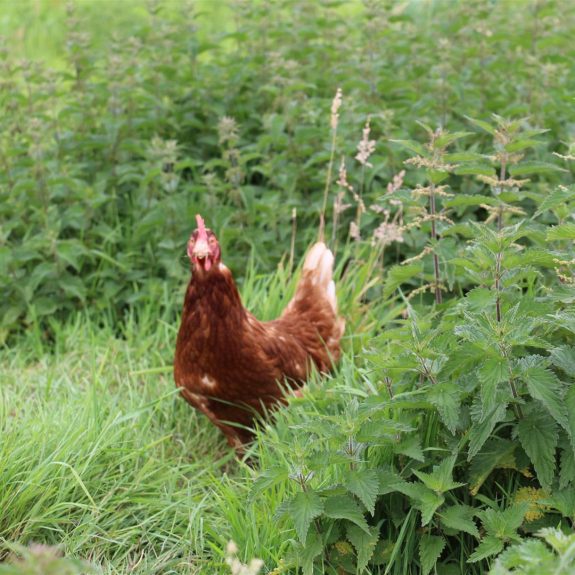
x,y
203,248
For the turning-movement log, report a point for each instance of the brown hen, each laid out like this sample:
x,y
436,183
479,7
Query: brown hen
x,y
233,367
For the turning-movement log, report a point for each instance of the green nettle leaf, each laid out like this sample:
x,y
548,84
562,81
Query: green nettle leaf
x,y
424,499
440,480
538,434
430,548
400,274
412,146
460,518
504,524
519,145
303,508
560,541
564,231
476,170
488,547
365,485
492,372
570,407
463,200
564,358
437,176
410,446
483,426
268,479
528,168
496,452
344,507
307,554
555,199
364,543
483,125
544,386
446,399
564,502
567,473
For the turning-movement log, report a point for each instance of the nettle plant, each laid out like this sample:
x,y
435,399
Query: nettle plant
x,y
456,436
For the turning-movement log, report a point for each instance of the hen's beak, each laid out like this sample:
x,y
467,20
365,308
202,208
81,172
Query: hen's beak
x,y
202,253
201,249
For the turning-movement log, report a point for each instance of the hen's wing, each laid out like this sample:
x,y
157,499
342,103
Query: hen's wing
x,y
309,330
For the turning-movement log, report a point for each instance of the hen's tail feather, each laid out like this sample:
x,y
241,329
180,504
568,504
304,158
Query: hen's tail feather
x,y
318,266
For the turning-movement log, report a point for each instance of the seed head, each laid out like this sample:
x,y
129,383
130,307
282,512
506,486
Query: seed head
x,y
335,106
366,147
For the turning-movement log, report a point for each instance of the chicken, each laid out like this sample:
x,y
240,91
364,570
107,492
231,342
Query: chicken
x,y
235,368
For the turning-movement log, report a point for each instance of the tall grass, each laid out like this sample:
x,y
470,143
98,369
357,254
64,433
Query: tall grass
x,y
99,454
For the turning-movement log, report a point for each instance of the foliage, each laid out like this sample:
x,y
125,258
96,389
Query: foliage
x,y
107,156
555,555
447,434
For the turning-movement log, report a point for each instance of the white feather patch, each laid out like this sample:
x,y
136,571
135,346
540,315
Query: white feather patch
x,y
208,382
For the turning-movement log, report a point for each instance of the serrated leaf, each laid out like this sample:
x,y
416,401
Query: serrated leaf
x,y
504,524
489,546
467,200
440,479
423,498
344,507
564,231
446,398
389,481
475,170
410,446
544,386
528,168
364,484
555,199
564,501
364,543
430,549
567,467
496,452
460,518
538,434
483,426
303,508
491,373
398,275
455,157
519,145
483,125
570,407
267,480
412,146
564,358
561,542
307,554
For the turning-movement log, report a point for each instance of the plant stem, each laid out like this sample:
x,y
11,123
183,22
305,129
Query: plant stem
x,y
438,298
501,179
293,232
321,234
498,286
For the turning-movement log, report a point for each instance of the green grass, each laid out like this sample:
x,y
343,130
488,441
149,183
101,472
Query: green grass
x,y
106,159
100,455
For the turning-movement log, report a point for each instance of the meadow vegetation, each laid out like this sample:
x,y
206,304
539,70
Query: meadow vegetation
x,y
432,145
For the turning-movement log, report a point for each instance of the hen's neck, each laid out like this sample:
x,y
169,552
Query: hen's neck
x,y
213,297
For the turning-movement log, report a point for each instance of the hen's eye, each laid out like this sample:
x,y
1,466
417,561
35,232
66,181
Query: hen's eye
x,y
212,241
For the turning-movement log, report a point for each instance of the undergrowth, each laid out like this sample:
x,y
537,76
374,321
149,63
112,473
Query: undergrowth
x,y
444,442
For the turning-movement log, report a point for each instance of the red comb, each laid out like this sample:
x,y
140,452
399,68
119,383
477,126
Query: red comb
x,y
201,226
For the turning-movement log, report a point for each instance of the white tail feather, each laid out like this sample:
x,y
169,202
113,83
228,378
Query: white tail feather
x,y
319,262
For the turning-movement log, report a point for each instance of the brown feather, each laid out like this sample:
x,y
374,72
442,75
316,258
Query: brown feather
x,y
233,367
